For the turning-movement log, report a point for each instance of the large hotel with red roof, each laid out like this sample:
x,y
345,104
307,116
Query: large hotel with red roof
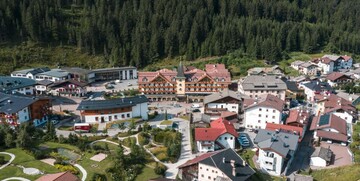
x,y
184,83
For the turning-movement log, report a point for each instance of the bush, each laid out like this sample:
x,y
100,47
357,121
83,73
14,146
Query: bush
x,y
65,168
98,177
2,160
127,141
39,154
160,169
143,139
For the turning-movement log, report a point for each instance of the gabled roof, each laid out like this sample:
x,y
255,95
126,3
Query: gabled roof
x,y
45,82
346,58
33,71
263,82
217,128
324,153
336,75
292,86
332,57
221,95
285,129
307,64
70,81
298,116
347,96
62,176
11,104
279,142
11,83
318,86
270,101
222,160
334,102
297,63
55,73
112,103
329,121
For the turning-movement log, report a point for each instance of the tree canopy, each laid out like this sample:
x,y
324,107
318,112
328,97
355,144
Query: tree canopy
x,y
140,32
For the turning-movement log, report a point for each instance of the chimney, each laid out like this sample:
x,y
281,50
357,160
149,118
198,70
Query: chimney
x,y
234,171
232,162
244,163
223,159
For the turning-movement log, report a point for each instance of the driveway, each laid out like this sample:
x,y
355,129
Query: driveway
x,y
342,156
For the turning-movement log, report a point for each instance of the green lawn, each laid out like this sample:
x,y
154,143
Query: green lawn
x,y
346,173
100,166
66,128
166,122
26,160
59,145
6,157
146,174
110,145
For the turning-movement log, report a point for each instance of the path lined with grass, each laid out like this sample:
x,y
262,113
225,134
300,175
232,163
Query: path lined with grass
x,y
9,162
83,171
16,178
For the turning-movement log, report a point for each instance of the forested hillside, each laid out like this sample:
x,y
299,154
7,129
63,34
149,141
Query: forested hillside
x,y
139,32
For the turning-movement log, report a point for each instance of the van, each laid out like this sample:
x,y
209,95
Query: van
x,y
195,106
82,127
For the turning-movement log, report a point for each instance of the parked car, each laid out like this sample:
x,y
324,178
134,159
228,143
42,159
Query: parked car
x,y
195,105
196,110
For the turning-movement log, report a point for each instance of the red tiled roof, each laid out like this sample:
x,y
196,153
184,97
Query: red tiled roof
x,y
198,159
346,58
336,75
217,128
335,122
326,60
270,101
334,102
62,176
332,135
286,129
295,116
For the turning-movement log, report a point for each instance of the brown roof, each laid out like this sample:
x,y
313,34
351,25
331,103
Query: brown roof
x,y
326,60
70,81
346,58
198,159
332,135
217,128
298,116
334,102
336,75
63,176
329,121
269,101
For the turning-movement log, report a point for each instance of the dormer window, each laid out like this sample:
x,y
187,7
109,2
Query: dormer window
x,y
190,79
195,79
222,80
144,79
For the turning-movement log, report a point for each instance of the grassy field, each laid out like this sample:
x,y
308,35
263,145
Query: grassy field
x,y
160,153
166,122
110,145
146,174
26,160
59,145
95,167
6,157
346,173
66,128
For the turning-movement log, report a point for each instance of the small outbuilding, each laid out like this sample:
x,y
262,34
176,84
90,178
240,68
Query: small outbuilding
x,y
321,157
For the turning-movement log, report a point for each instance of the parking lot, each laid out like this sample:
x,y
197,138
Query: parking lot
x,y
118,86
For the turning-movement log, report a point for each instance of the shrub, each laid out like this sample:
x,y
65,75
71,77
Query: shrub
x,y
127,141
143,138
98,177
65,168
39,154
160,169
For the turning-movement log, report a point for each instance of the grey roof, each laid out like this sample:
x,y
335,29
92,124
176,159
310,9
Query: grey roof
x,y
279,142
33,71
292,86
263,82
55,73
243,172
307,64
347,96
112,103
68,81
180,71
297,62
10,83
76,70
332,57
112,69
10,104
324,153
318,86
220,95
45,82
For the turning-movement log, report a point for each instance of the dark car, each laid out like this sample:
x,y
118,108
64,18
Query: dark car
x,y
196,110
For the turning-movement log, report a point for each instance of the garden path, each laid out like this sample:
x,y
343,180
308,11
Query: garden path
x,y
11,159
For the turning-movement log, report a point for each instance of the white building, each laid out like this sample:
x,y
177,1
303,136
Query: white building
x,y
29,73
54,75
296,64
256,86
321,157
274,148
308,68
262,111
17,85
314,88
325,64
227,101
100,111
225,165
220,135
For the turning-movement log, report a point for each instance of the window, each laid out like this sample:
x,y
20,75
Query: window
x,y
273,117
200,168
96,118
267,110
274,111
259,115
207,169
260,109
225,138
209,149
259,121
202,175
262,91
128,115
251,91
212,171
256,91
231,138
220,138
123,116
209,177
266,116
115,117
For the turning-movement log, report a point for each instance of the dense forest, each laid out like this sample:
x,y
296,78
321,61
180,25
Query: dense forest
x,y
140,32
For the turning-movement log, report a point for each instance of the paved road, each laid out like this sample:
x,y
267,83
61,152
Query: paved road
x,y
11,159
83,171
16,178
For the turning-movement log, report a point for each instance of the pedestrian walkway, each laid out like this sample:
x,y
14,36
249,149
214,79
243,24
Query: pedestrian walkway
x,y
83,171
11,159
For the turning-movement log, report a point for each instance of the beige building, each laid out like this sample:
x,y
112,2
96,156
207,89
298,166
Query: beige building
x,y
256,86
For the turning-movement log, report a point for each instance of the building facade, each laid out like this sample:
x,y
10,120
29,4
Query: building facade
x,y
257,86
101,111
68,88
262,111
186,83
115,73
14,85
